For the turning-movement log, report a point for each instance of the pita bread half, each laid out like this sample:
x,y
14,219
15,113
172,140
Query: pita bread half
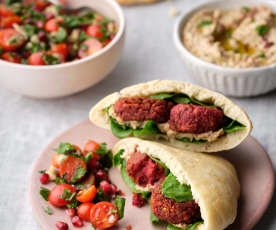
x,y
99,117
213,180
135,2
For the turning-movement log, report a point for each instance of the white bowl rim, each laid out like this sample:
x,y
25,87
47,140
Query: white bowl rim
x,y
117,37
178,42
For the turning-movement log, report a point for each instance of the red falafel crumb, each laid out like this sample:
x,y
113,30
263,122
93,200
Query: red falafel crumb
x,y
187,118
143,169
143,109
169,210
138,200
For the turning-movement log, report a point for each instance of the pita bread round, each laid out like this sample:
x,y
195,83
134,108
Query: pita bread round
x,y
99,117
135,2
213,180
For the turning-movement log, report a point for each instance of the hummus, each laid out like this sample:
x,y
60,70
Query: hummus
x,y
239,38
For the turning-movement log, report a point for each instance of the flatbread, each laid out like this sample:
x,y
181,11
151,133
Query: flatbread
x,y
135,2
99,117
213,180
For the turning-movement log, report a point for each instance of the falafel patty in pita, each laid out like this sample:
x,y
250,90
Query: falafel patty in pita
x,y
176,113
187,190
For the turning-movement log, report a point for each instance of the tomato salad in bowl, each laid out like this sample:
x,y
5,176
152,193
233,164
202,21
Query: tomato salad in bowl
x,y
82,186
37,32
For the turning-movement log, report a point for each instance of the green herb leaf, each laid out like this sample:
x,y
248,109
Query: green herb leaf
x,y
30,30
119,130
44,192
120,204
205,23
106,158
171,188
262,30
262,55
100,196
83,36
246,9
60,36
61,180
117,160
162,96
149,128
130,183
42,171
67,195
65,148
84,47
79,173
50,59
74,204
48,210
188,140
10,2
88,157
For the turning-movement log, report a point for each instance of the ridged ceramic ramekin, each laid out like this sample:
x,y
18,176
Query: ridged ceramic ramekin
x,y
242,82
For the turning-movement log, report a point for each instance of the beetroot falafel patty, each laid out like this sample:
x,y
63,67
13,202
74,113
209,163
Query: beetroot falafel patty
x,y
196,119
143,169
173,212
142,109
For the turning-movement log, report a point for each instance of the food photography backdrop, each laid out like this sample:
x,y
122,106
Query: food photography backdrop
x,y
27,125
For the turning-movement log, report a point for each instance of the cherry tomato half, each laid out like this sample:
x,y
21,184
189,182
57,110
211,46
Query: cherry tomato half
x,y
62,49
69,167
87,195
91,147
36,59
52,25
10,39
11,57
104,215
5,11
56,194
94,31
84,211
7,22
89,47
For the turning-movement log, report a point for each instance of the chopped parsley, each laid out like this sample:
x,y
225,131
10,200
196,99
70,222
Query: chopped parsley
x,y
67,195
205,23
50,59
42,171
48,210
44,192
84,47
262,30
246,9
79,173
262,55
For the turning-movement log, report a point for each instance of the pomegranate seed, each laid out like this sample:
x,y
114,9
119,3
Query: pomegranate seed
x,y
40,24
77,221
100,174
62,226
45,178
138,200
114,188
106,187
70,212
42,36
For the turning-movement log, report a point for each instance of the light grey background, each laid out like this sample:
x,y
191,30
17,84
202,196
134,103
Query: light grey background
x,y
27,125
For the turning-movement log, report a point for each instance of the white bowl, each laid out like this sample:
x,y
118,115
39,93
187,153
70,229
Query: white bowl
x,y
241,82
72,77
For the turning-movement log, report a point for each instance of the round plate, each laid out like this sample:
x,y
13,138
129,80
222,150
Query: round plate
x,y
250,159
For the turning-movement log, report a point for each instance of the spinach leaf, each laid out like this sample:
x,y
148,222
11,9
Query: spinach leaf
x,y
130,183
154,219
162,96
44,192
181,99
233,126
120,204
185,139
149,128
194,225
117,160
171,188
119,130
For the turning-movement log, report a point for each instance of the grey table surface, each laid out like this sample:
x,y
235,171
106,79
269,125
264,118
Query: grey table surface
x,y
27,125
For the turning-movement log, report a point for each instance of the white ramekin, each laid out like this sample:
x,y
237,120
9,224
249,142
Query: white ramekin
x,y
72,77
241,82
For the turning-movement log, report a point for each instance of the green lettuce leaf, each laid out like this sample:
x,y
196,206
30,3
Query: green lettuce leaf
x,y
130,183
120,204
117,160
171,188
233,127
149,128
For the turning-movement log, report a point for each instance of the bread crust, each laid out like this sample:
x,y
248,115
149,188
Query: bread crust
x,y
213,180
99,117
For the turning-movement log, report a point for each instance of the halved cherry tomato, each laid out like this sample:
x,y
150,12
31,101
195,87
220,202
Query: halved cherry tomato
x,y
107,42
59,56
104,215
84,211
36,59
10,39
52,25
11,57
60,48
56,159
91,147
87,195
7,22
41,5
89,47
56,194
94,31
5,11
70,166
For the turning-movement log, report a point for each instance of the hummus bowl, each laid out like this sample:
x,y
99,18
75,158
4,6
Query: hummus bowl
x,y
52,81
238,82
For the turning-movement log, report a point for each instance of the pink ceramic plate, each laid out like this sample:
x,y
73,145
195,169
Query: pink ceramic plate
x,y
250,159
